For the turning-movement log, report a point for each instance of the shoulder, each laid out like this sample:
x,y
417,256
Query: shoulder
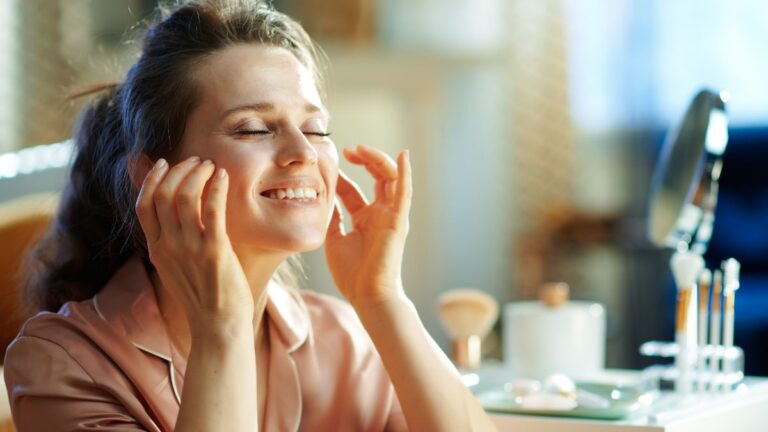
x,y
325,307
335,320
74,340
328,314
42,361
59,327
55,326
48,339
55,375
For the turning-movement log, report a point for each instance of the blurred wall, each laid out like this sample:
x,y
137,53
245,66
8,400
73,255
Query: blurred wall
x,y
515,112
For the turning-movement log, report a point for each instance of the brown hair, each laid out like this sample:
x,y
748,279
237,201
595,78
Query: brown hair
x,y
96,230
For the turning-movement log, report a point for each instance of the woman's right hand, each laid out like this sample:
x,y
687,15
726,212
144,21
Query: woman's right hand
x,y
185,228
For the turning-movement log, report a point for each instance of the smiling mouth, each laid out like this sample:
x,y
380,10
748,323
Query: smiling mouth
x,y
304,194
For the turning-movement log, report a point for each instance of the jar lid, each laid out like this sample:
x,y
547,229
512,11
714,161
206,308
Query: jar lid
x,y
554,294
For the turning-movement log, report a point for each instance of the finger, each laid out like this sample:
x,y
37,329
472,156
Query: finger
x,y
145,206
352,156
188,198
390,191
380,194
380,166
165,195
376,162
350,194
215,207
404,188
381,191
336,226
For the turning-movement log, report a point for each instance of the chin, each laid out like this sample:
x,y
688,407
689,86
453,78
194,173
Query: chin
x,y
309,246
297,242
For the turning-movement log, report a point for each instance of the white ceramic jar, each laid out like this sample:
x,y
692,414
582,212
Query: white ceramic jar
x,y
557,336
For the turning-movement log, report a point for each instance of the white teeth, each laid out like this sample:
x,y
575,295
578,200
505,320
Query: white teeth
x,y
303,194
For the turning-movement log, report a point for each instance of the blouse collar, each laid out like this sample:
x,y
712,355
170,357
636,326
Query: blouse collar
x,y
128,302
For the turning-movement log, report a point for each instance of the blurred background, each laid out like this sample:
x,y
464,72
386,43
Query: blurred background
x,y
534,127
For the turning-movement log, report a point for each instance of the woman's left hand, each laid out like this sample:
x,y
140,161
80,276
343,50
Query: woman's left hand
x,y
366,262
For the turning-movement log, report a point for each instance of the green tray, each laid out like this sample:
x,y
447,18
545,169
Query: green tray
x,y
623,401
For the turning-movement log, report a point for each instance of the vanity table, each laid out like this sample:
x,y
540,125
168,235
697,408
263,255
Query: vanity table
x,y
743,411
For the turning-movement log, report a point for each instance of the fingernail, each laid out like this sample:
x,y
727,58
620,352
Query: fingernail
x,y
207,162
161,164
194,159
221,173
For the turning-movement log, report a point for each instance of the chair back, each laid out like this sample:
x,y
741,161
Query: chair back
x,y
22,222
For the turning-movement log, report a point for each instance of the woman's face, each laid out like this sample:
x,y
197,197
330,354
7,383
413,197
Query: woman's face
x,y
261,118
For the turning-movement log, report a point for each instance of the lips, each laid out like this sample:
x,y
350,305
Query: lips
x,y
300,193
305,189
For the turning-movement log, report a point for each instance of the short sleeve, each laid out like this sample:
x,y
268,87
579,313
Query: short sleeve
x,y
48,390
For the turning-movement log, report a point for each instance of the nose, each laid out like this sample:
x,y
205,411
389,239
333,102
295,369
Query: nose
x,y
295,149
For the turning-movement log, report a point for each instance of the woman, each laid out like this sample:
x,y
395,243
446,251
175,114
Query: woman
x,y
179,313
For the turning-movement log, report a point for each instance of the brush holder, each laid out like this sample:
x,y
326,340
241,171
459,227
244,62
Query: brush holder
x,y
721,380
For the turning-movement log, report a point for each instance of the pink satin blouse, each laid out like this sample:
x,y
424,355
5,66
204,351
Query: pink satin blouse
x,y
107,363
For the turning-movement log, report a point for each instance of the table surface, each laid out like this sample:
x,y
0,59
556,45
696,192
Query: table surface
x,y
744,410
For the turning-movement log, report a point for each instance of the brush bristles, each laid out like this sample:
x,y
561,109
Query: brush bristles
x,y
706,276
731,269
467,312
686,267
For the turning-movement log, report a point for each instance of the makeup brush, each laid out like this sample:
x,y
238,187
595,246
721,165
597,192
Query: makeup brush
x,y
467,315
705,280
686,267
714,330
731,269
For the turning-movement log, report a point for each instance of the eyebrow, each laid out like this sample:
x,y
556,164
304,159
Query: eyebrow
x,y
267,107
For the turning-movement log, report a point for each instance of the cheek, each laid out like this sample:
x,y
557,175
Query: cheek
x,y
243,165
329,160
328,150
244,168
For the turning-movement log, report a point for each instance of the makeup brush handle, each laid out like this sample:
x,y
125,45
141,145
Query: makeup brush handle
x,y
682,384
702,344
714,341
728,343
466,352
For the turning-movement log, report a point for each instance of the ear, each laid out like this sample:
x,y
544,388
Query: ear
x,y
138,167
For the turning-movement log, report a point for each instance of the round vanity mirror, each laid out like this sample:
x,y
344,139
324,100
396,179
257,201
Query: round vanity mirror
x,y
684,188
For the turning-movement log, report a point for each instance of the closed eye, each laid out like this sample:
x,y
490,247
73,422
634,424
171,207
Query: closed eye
x,y
267,132
253,132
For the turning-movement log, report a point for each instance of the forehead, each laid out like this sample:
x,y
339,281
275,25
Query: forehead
x,y
247,74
